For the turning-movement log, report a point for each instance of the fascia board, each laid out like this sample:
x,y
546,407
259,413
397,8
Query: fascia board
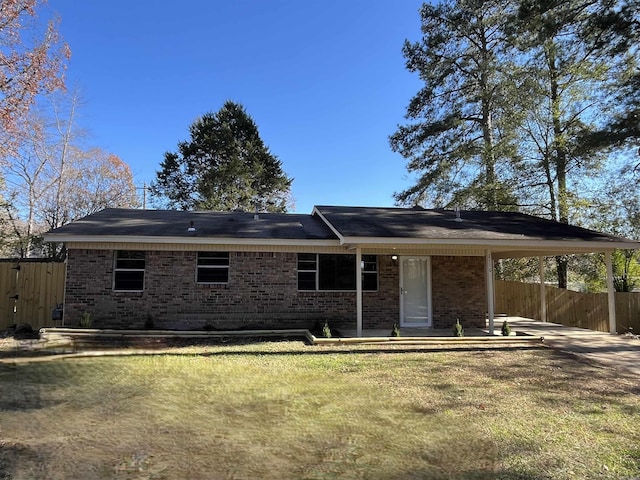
x,y
187,240
315,211
515,245
544,252
538,244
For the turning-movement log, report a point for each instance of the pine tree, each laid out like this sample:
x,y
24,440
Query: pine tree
x,y
461,130
224,166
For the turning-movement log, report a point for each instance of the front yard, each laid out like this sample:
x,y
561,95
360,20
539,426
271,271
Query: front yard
x,y
283,410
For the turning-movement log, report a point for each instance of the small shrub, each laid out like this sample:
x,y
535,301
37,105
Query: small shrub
x,y
85,320
24,331
395,331
458,330
506,329
326,331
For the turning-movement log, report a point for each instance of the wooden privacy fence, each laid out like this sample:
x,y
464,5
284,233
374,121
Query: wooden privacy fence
x,y
574,309
30,290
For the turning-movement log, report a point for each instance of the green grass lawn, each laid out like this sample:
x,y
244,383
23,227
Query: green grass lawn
x,y
283,410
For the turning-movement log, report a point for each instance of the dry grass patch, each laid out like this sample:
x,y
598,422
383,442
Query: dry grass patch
x,y
284,410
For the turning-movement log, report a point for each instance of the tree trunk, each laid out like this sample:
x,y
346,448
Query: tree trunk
x,y
489,158
560,154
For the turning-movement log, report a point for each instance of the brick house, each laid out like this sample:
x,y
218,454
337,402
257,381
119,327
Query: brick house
x,y
357,267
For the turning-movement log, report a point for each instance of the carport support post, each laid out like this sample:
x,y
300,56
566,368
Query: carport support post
x,y
543,292
488,260
358,292
611,293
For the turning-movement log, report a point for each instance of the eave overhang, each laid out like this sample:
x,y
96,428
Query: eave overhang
x,y
507,248
195,240
499,248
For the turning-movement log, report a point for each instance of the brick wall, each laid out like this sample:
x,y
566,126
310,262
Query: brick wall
x,y
458,291
261,293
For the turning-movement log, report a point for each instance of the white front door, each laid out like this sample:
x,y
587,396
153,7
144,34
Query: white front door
x,y
415,291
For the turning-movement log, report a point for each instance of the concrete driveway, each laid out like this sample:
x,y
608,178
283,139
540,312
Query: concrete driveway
x,y
617,351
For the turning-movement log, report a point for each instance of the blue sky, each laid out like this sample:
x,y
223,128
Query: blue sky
x,y
324,81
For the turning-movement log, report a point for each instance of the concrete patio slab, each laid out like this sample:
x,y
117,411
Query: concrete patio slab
x,y
618,351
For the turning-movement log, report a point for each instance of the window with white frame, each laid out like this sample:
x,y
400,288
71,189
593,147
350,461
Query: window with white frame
x,y
213,267
128,272
319,271
369,272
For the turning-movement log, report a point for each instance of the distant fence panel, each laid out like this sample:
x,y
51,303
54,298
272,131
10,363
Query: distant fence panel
x,y
574,309
628,311
30,291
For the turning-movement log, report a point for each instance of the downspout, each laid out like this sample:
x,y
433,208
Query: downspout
x,y
488,260
543,292
611,293
358,292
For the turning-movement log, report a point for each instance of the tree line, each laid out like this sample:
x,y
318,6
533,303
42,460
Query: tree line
x,y
528,105
50,175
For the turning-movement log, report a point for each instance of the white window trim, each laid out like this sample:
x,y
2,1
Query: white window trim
x,y
317,272
218,267
116,269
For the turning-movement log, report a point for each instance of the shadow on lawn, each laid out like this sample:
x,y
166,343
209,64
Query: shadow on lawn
x,y
24,388
15,455
557,372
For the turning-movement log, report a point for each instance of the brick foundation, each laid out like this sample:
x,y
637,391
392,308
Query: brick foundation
x,y
261,293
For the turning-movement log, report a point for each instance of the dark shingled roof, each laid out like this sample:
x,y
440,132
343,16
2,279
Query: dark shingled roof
x,y
350,222
174,223
441,224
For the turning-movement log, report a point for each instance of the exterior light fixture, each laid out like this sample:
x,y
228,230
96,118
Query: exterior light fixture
x,y
394,258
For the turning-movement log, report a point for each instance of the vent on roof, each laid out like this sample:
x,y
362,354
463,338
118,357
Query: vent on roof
x,y
191,228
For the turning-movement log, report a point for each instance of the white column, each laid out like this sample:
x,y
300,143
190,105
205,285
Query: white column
x,y
611,297
358,292
488,260
543,292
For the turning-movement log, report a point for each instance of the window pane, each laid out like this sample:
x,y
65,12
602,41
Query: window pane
x,y
213,275
129,280
306,280
213,258
337,272
131,264
370,263
130,259
307,261
346,272
370,281
213,261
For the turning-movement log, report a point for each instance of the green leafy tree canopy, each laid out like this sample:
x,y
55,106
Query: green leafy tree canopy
x,y
224,166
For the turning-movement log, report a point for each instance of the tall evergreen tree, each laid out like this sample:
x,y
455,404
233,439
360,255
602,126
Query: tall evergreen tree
x,y
461,128
576,70
224,166
521,104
